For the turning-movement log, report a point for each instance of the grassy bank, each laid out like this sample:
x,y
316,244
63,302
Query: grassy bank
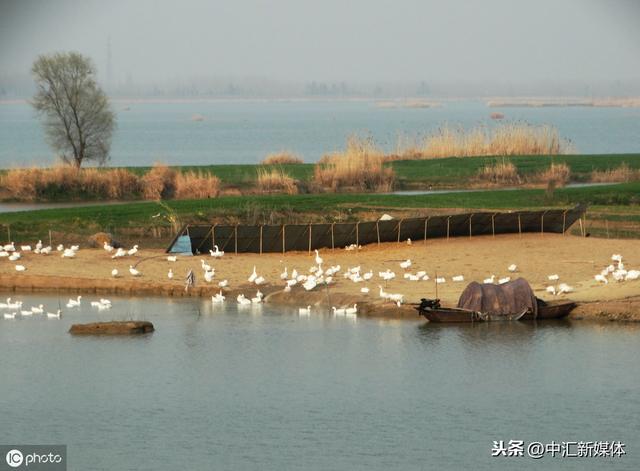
x,y
154,221
449,172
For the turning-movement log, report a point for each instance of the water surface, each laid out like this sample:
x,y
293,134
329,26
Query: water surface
x,y
219,388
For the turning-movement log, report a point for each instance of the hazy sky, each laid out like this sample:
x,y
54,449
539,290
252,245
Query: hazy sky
x,y
353,40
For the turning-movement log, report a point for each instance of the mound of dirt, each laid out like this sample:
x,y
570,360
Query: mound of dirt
x,y
98,239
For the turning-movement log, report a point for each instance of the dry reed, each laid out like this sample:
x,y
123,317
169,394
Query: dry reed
x,y
506,139
275,181
503,172
69,183
360,167
196,185
559,174
281,158
623,173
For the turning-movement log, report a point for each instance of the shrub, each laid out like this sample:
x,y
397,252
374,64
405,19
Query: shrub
x,y
623,173
559,174
159,183
195,185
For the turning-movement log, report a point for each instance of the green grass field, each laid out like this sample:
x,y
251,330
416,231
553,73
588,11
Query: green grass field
x,y
620,201
443,172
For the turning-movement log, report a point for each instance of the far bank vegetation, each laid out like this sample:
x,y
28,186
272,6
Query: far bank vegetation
x,y
506,139
282,158
505,172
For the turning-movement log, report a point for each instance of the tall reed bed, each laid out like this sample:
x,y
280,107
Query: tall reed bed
x,y
69,183
360,167
506,139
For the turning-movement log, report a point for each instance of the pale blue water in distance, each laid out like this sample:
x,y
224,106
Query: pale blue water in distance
x,y
219,388
245,131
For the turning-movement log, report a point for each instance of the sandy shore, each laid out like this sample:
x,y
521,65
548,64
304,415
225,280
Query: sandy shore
x,y
574,259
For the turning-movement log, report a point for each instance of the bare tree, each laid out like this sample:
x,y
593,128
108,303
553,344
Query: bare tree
x,y
78,119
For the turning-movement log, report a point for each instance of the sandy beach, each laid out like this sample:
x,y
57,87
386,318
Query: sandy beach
x,y
574,259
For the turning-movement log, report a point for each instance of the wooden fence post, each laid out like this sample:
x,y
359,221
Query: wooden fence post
x,y
333,247
235,232
564,221
283,237
260,239
213,236
519,226
357,235
399,226
542,223
606,221
470,225
426,221
493,225
448,222
309,239
378,232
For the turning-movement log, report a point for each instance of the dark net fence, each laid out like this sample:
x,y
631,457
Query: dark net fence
x,y
300,237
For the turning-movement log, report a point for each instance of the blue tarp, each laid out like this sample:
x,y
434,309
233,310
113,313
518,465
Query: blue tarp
x,y
182,245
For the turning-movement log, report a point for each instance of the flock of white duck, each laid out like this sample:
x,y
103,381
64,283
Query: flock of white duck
x,y
316,277
18,308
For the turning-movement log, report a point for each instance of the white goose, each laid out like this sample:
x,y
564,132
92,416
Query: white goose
x,y
458,278
15,256
114,273
37,309
351,310
338,312
504,280
489,280
74,302
25,248
242,300
223,283
553,277
26,312
133,271
133,250
172,258
55,315
364,290
406,264
21,268
10,316
512,268
304,311
218,298
318,258
284,275
107,247
170,274
253,275
218,253
119,253
260,280
208,276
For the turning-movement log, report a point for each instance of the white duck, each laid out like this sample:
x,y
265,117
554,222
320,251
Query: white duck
x,y
223,283
133,250
253,275
406,264
133,271
218,298
338,312
55,315
37,309
242,300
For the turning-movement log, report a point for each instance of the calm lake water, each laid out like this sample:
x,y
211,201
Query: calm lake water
x,y
245,131
265,389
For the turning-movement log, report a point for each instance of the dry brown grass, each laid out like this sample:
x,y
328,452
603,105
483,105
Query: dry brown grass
x,y
623,173
559,174
281,158
359,167
196,185
69,183
159,183
506,139
503,172
66,182
275,181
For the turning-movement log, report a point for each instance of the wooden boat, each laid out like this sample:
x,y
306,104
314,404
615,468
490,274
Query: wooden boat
x,y
550,310
446,314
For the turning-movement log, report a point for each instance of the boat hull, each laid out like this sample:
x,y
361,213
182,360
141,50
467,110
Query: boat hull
x,y
442,315
551,310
